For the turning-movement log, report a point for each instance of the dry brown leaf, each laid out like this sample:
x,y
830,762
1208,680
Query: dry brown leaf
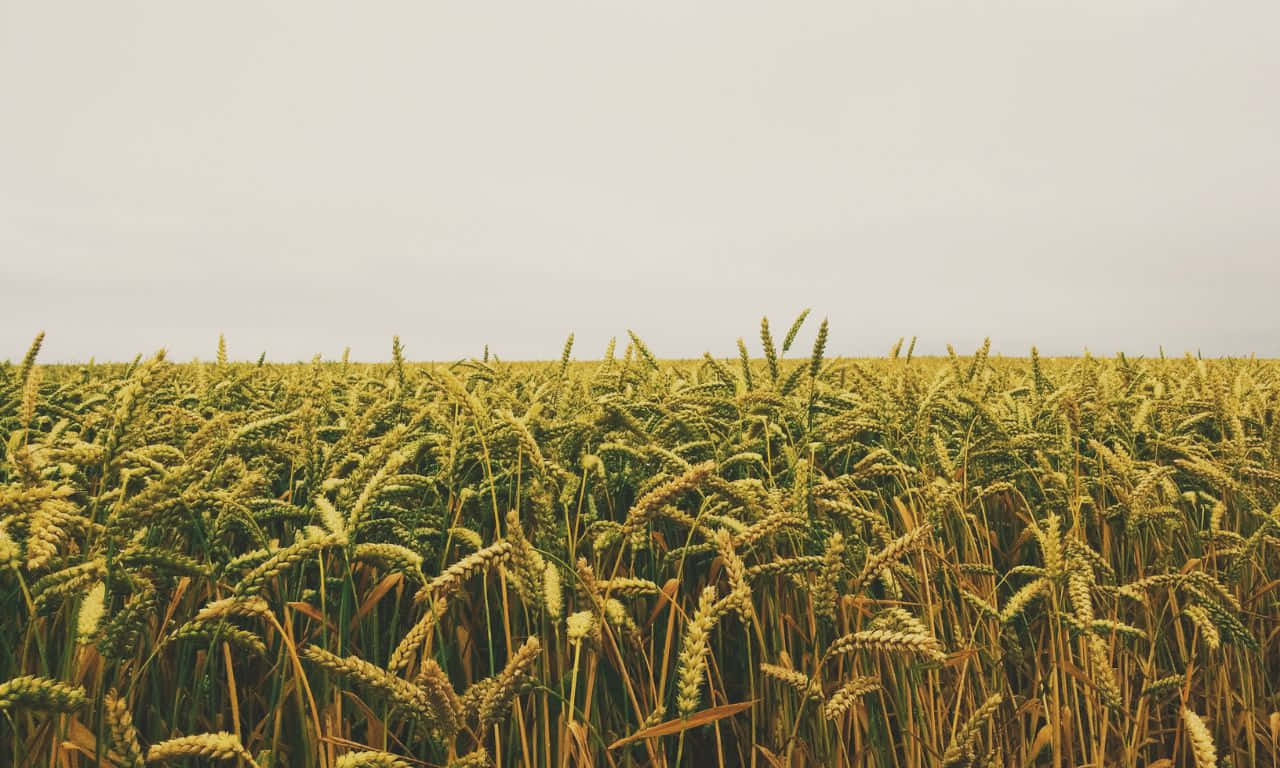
x,y
1044,737
375,595
684,724
773,759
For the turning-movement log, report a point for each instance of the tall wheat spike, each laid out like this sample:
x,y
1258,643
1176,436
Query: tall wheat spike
x,y
210,746
1202,747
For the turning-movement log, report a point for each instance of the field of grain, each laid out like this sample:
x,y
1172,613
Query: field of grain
x,y
780,560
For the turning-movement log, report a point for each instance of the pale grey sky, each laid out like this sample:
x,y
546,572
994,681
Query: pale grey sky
x,y
307,175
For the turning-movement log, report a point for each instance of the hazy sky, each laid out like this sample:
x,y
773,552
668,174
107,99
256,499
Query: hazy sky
x,y
309,175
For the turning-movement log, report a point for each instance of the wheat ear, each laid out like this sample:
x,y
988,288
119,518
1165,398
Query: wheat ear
x,y
124,737
370,759
35,692
1206,753
211,746
844,698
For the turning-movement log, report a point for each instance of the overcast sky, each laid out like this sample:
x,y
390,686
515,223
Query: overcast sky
x,y
306,175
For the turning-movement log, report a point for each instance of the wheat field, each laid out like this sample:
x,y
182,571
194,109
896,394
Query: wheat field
x,y
776,560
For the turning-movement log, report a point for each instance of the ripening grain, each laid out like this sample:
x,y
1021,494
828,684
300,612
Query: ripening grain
x,y
899,562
